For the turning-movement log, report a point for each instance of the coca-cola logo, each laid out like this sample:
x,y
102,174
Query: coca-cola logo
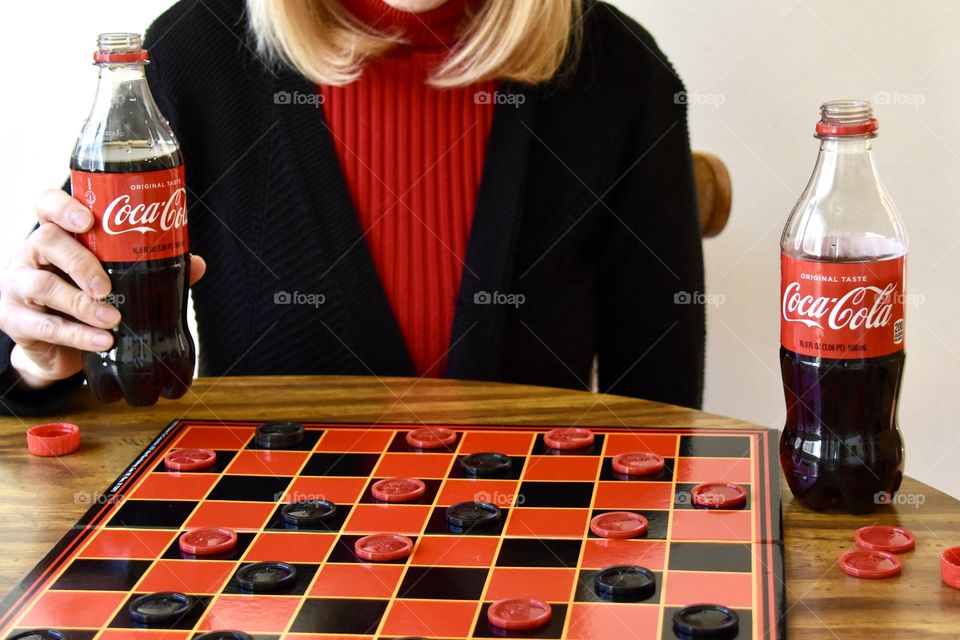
x,y
121,217
854,310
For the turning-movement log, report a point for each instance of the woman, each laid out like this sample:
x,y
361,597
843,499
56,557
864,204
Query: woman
x,y
484,189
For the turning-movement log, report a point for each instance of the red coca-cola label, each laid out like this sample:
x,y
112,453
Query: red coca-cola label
x,y
842,310
139,216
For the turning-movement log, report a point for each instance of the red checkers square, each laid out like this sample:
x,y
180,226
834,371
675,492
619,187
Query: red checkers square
x,y
357,580
447,619
215,438
460,551
541,584
267,463
253,614
552,523
138,544
562,468
185,576
634,495
337,490
231,515
175,486
602,621
732,589
395,518
144,634
512,444
290,546
73,609
600,553
711,525
354,440
414,465
699,470
663,444
501,493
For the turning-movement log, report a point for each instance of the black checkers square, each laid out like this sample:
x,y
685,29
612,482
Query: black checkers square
x,y
187,622
683,498
341,464
745,628
708,556
305,574
553,629
541,449
224,458
152,514
102,575
443,583
607,472
536,552
399,443
310,438
555,494
707,446
249,488
656,527
586,592
244,539
339,615
332,524
343,551
437,524
514,473
432,487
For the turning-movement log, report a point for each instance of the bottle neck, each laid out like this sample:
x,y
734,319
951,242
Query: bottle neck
x,y
849,160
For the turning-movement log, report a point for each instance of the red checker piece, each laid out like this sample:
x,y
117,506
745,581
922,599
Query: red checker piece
x,y
431,438
383,547
398,489
619,524
568,438
189,459
53,439
208,542
864,563
719,495
519,613
638,463
950,567
882,537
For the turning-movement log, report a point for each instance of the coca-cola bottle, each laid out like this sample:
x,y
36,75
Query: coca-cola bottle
x,y
127,168
843,255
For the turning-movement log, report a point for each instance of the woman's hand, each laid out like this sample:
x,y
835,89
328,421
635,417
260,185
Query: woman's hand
x,y
52,295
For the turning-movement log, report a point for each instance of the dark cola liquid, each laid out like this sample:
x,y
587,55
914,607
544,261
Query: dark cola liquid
x,y
840,448
153,354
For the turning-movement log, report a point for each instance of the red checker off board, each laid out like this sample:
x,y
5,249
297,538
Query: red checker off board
x,y
126,545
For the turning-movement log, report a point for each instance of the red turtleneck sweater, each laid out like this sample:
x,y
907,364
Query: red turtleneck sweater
x,y
412,156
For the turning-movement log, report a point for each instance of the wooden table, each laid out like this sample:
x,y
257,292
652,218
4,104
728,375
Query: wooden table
x,y
41,498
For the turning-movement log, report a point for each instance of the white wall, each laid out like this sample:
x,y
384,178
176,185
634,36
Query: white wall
x,y
756,72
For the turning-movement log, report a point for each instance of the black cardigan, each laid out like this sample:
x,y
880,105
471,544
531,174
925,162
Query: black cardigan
x,y
586,207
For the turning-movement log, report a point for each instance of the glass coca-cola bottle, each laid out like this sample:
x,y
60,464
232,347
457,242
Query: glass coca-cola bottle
x,y
843,256
127,168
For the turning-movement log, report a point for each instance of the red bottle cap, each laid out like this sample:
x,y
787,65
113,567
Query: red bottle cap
x,y
208,542
127,56
383,547
568,438
863,563
619,525
718,495
519,613
398,489
189,459
638,463
53,439
431,438
950,567
883,537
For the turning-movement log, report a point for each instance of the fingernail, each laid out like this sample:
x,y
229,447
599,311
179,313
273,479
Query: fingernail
x,y
108,315
102,340
79,218
100,286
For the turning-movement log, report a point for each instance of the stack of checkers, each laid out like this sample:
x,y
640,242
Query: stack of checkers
x,y
876,556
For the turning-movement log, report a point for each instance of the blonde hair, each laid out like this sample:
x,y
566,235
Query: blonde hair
x,y
521,40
